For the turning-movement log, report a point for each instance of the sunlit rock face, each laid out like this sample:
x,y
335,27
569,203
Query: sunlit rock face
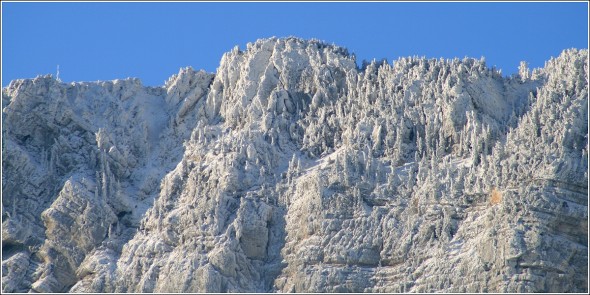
x,y
291,169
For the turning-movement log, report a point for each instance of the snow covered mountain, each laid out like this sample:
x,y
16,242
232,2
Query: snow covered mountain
x,y
291,169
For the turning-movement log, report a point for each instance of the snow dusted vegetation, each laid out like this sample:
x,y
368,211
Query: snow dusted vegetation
x,y
293,170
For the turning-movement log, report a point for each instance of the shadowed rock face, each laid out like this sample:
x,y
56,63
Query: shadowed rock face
x,y
291,169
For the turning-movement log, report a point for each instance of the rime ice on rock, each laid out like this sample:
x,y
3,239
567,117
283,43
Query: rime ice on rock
x,y
291,169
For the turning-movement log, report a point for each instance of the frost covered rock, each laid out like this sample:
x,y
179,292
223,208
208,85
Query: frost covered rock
x,y
292,169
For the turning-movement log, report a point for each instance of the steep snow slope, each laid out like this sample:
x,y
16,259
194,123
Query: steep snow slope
x,y
291,169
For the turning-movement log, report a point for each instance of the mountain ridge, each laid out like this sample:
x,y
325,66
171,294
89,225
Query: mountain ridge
x,y
292,169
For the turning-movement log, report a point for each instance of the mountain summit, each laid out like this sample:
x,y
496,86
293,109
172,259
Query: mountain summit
x,y
293,170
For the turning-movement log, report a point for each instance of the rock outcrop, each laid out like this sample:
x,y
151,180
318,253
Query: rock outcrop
x,y
293,170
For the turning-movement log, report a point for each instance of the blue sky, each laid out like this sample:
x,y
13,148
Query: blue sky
x,y
151,41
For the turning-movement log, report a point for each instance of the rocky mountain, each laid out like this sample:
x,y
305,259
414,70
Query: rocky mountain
x,y
291,169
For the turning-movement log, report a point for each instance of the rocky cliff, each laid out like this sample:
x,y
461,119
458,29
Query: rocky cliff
x,y
291,169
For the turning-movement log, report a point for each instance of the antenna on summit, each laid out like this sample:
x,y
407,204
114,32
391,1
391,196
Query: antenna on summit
x,y
57,76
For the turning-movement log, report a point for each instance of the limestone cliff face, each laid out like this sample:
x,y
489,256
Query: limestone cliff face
x,y
291,169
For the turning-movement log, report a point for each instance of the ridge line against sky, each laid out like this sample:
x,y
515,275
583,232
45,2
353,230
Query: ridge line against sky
x,y
153,40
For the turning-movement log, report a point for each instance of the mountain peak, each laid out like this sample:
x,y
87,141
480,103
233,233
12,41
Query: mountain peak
x,y
292,170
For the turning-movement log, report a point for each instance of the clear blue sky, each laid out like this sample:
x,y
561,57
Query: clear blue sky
x,y
151,41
